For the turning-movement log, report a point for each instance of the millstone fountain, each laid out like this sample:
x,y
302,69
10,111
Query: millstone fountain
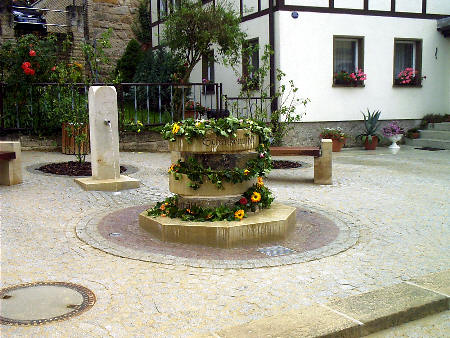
x,y
104,139
218,153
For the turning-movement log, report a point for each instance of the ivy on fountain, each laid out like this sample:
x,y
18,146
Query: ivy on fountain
x,y
256,197
258,166
225,127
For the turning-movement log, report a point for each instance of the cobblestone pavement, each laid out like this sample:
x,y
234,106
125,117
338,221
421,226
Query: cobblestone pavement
x,y
399,202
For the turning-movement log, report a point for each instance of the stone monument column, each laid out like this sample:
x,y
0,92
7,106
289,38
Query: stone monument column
x,y
104,134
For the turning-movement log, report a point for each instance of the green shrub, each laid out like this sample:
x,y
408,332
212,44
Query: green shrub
x,y
128,63
434,118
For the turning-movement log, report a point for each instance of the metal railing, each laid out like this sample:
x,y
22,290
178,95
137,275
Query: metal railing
x,y
249,107
42,106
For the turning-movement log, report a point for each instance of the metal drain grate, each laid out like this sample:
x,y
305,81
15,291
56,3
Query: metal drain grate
x,y
429,148
43,302
274,251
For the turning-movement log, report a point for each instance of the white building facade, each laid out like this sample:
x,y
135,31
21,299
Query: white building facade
x,y
315,39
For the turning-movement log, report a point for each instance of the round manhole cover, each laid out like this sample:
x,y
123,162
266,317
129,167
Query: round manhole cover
x,y
43,302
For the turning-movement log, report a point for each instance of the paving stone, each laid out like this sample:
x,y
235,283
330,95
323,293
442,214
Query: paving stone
x,y
399,204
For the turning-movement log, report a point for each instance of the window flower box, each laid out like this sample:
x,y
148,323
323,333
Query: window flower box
x,y
345,79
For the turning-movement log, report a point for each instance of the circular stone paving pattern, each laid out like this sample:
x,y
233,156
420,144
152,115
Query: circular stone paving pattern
x,y
315,236
43,302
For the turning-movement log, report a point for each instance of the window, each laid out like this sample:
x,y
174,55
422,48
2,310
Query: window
x,y
407,62
208,72
162,8
250,65
348,58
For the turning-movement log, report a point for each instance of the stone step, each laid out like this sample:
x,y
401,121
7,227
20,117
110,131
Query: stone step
x,y
420,142
354,316
445,126
432,134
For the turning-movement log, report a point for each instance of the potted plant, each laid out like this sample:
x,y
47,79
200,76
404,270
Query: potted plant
x,y
370,138
336,135
394,133
413,133
409,77
194,110
354,79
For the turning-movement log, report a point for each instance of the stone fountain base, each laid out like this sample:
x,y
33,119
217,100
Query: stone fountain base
x,y
264,226
115,184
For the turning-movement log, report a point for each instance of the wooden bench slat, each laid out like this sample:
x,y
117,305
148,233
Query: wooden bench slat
x,y
295,151
7,155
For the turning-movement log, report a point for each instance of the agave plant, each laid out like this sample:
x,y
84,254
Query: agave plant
x,y
372,124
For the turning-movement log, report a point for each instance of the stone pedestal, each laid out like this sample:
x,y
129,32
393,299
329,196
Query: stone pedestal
x,y
11,170
104,139
323,164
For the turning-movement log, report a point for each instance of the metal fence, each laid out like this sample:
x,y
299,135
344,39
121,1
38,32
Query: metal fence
x,y
258,108
41,107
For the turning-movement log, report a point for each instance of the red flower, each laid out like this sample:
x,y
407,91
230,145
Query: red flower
x,y
27,71
26,65
243,201
32,72
32,53
53,68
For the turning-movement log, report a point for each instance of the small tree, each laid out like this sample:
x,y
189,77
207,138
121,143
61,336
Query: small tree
x,y
141,26
128,63
286,93
194,29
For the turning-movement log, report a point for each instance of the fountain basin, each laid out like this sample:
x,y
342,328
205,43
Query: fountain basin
x,y
267,225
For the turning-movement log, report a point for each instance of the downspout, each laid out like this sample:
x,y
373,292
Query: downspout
x,y
274,103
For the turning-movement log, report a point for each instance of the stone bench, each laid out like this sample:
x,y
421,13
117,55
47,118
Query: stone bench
x,y
322,159
10,163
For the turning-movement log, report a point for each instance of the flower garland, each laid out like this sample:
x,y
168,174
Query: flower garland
x,y
256,197
225,127
258,166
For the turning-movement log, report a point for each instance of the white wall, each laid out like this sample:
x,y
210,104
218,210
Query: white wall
x,y
380,5
306,46
357,4
411,6
317,3
438,6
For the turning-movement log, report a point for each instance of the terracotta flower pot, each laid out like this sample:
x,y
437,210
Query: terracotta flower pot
x,y
337,145
371,145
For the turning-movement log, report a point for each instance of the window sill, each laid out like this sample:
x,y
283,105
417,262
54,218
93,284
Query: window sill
x,y
348,85
406,86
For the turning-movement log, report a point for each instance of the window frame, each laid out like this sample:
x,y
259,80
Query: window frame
x,y
208,72
417,61
358,55
247,59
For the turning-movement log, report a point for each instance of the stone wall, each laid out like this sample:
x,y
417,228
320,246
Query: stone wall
x,y
307,133
102,14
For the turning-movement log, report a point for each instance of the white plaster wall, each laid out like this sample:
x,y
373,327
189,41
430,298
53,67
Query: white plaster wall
x,y
155,36
412,6
356,4
438,7
250,6
264,4
380,5
306,46
317,3
154,10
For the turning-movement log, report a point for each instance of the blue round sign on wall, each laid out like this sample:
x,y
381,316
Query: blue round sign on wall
x,y
294,15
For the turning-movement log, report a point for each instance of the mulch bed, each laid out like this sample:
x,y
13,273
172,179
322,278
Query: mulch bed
x,y
71,168
279,164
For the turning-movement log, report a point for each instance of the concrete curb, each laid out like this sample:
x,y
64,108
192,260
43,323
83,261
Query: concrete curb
x,y
355,316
